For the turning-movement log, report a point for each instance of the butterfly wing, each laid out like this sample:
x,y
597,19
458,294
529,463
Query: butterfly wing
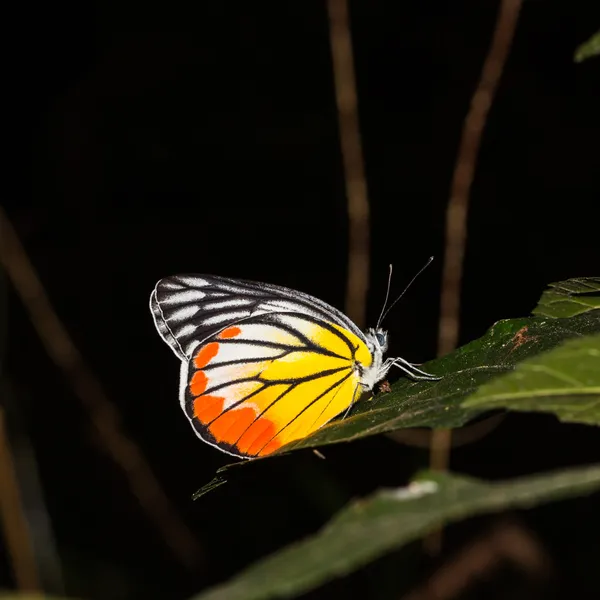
x,y
188,309
261,365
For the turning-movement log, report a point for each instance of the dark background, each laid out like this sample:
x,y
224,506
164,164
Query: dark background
x,y
202,137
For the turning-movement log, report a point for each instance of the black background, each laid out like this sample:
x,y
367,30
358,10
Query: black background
x,y
202,137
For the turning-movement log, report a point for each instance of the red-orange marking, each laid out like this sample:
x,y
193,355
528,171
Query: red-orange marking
x,y
264,439
206,354
208,408
270,447
261,428
230,425
198,383
230,332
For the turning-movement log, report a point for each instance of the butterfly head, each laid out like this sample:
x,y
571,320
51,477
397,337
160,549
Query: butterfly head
x,y
377,339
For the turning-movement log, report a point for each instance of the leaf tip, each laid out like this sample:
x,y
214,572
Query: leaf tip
x,y
209,487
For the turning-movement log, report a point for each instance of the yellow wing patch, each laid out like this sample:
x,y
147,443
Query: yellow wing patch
x,y
260,385
302,364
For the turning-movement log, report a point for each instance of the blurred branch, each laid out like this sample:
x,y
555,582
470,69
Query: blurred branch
x,y
457,210
16,534
103,414
468,434
41,534
508,541
356,185
456,214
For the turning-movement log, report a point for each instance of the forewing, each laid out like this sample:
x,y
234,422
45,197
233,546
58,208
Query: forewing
x,y
190,309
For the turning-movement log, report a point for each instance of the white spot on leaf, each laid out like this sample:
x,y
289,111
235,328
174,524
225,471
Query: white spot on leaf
x,y
415,489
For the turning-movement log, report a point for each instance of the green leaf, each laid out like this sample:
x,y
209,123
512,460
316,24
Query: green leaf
x,y
388,520
569,298
589,48
441,403
564,381
566,309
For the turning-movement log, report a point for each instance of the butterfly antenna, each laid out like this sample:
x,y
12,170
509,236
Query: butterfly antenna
x,y
404,291
387,295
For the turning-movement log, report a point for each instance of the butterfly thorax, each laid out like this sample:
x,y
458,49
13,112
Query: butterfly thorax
x,y
377,343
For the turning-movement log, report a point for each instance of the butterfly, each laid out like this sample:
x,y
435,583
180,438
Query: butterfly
x,y
264,365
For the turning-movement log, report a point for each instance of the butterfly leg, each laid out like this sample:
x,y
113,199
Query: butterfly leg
x,y
412,371
354,401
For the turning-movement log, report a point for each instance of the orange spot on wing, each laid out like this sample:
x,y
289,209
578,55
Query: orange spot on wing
x,y
230,332
208,408
198,383
264,439
262,429
206,354
273,445
231,424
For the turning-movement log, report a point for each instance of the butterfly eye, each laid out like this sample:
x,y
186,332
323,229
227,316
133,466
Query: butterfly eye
x,y
381,339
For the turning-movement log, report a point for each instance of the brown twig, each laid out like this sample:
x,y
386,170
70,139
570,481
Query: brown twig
x,y
508,541
456,215
457,210
356,185
103,414
14,523
468,434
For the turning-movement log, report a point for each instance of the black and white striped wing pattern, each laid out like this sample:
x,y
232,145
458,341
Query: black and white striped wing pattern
x,y
188,309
